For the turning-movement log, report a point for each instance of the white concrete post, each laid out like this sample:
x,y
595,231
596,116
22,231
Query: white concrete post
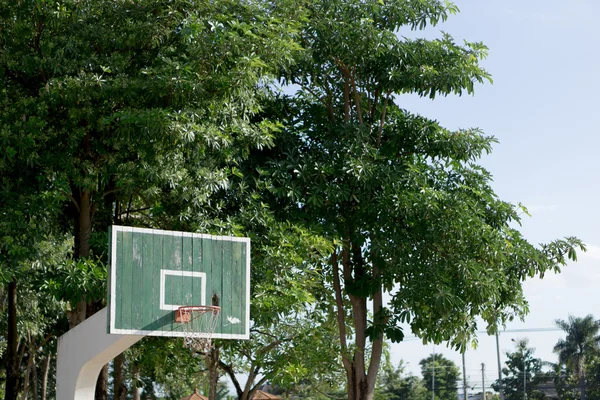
x,y
82,352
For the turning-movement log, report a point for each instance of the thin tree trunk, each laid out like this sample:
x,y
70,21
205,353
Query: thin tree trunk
x,y
136,377
34,375
377,346
77,315
84,224
120,389
341,318
12,373
361,379
45,376
213,372
27,376
250,387
102,384
83,231
236,384
582,386
352,382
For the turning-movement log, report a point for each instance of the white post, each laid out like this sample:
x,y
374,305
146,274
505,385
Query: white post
x,y
499,368
466,397
82,352
433,375
483,380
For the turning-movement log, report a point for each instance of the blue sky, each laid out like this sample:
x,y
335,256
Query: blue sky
x,y
542,108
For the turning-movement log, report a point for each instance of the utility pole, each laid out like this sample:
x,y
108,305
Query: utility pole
x,y
524,376
501,391
433,374
483,380
464,378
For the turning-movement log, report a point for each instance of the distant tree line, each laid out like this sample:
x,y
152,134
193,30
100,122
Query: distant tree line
x,y
576,375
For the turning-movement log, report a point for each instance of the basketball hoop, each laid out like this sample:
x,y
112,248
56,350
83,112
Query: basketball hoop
x,y
199,323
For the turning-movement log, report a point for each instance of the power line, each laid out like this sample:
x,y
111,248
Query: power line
x,y
523,330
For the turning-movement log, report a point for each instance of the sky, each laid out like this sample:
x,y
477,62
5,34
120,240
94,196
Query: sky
x,y
542,107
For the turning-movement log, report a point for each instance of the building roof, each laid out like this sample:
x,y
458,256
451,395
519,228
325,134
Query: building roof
x,y
260,395
195,396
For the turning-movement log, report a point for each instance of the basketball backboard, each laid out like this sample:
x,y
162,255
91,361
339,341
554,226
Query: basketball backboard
x,y
154,272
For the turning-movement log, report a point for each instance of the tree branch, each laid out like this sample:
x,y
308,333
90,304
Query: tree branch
x,y
340,311
375,102
247,389
329,102
135,210
70,197
229,370
346,101
257,386
356,96
346,74
274,344
377,348
382,119
309,90
359,310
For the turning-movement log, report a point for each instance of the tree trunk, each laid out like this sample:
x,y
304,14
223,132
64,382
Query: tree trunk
x,y
83,224
78,315
582,386
45,376
34,375
12,373
361,377
120,389
102,384
27,376
213,372
82,232
136,377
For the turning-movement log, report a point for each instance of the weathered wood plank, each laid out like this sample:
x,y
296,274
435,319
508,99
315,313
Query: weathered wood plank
x,y
228,288
216,277
238,284
146,280
197,266
157,265
126,270
170,263
137,287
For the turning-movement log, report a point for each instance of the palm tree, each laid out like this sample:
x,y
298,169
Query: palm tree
x,y
582,341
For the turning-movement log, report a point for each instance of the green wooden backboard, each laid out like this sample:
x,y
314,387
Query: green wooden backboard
x,y
154,272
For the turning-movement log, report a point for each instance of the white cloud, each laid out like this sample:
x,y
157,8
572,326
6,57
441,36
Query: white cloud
x,y
585,273
541,208
593,252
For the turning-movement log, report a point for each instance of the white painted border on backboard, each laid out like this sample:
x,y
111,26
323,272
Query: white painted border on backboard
x,y
175,272
113,284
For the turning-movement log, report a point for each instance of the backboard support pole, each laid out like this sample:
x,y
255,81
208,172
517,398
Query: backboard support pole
x,y
82,352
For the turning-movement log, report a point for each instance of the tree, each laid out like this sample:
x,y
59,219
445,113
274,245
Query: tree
x,y
132,99
294,353
41,319
401,199
394,384
581,344
28,207
440,376
292,340
128,112
520,364
592,375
